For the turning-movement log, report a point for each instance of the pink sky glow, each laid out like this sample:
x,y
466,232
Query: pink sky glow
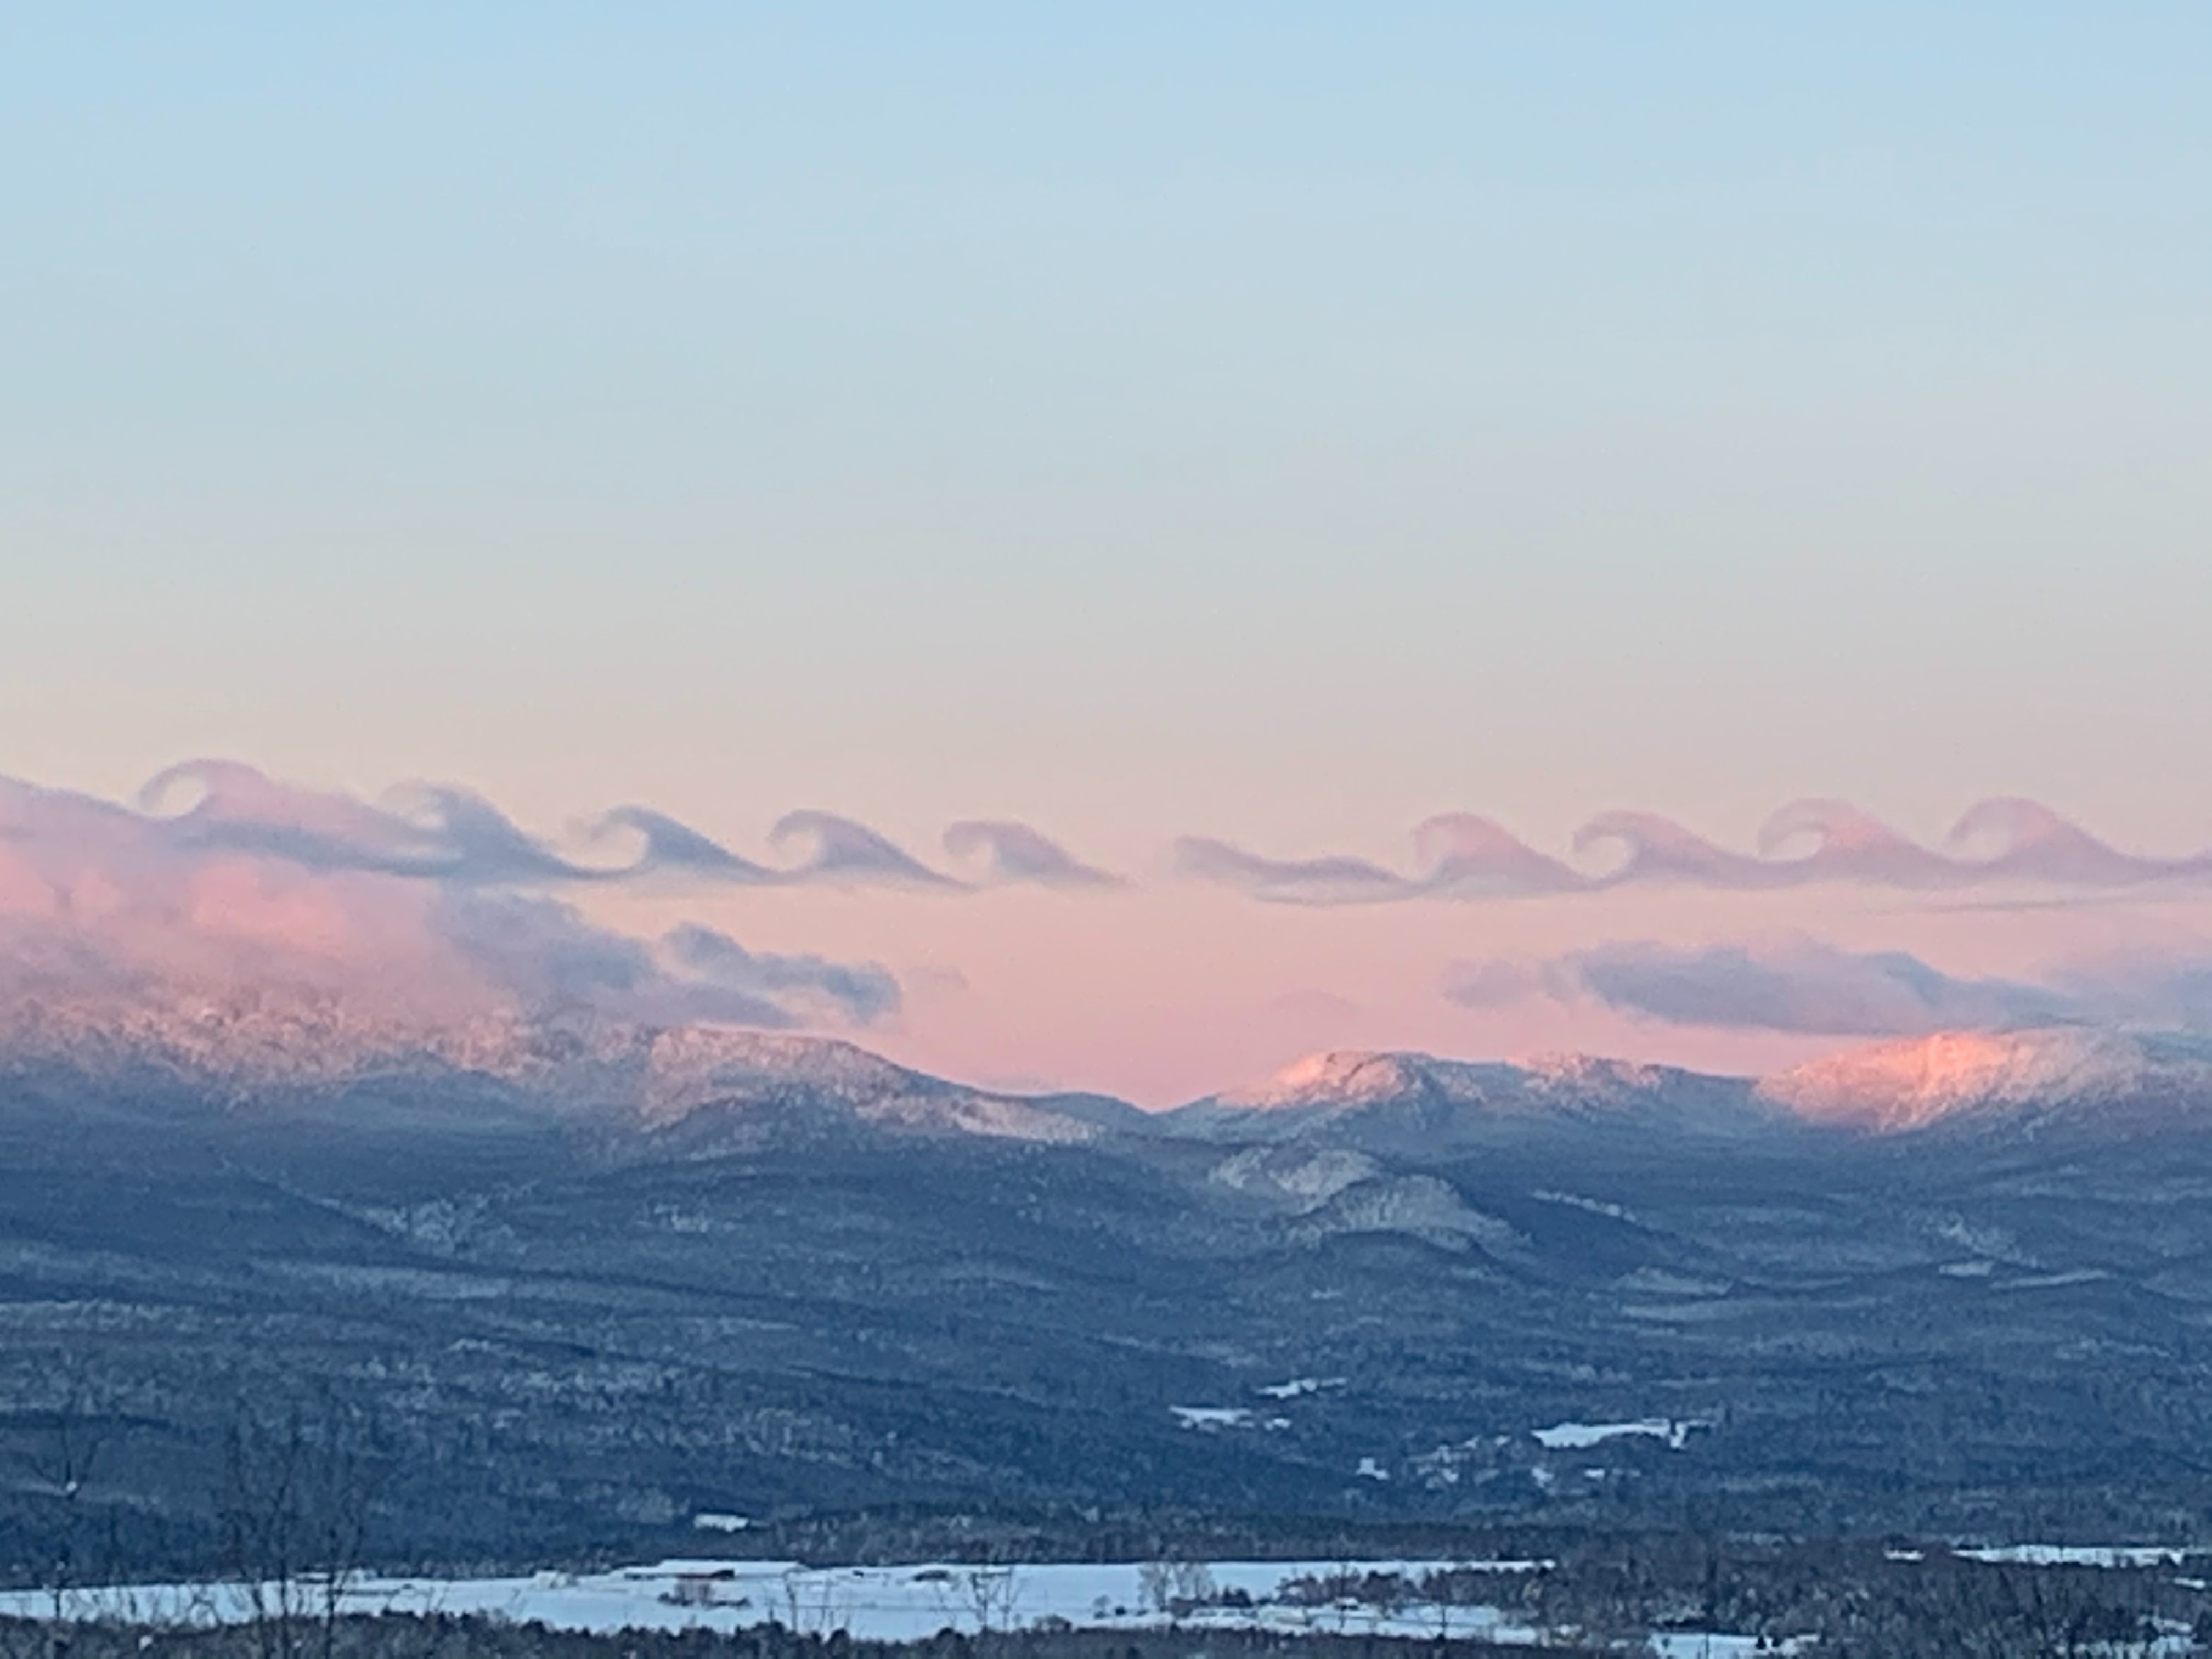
x,y
1010,961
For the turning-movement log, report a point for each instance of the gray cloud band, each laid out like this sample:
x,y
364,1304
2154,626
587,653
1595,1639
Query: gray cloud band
x,y
449,835
452,835
1996,843
550,958
1806,988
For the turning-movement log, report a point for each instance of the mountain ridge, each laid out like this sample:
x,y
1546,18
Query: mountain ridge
x,y
247,1049
770,1273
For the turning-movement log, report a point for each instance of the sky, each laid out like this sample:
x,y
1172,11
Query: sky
x,y
1253,429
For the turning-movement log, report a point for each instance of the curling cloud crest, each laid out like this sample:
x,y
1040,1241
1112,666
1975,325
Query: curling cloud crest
x,y
441,833
844,851
1996,843
1012,852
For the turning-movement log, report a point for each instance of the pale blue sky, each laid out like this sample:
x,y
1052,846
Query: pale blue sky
x,y
1278,421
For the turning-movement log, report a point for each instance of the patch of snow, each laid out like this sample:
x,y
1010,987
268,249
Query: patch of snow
x,y
1967,1269
1212,1417
716,1521
2076,1555
1294,1174
1718,1644
1299,1385
1576,1437
1576,1200
1370,1469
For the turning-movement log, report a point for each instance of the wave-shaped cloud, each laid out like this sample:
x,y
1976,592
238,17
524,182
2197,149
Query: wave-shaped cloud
x,y
433,831
670,845
1997,842
1014,852
846,851
1803,986
436,909
452,836
430,904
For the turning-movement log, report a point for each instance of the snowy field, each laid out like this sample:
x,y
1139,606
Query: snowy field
x,y
906,1603
900,1603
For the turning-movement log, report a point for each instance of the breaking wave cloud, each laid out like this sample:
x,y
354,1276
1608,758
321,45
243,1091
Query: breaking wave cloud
x,y
1996,843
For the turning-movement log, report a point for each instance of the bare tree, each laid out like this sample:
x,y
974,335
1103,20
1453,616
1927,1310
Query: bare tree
x,y
815,1603
297,1494
1174,1587
60,1466
1442,1587
992,1593
1156,1583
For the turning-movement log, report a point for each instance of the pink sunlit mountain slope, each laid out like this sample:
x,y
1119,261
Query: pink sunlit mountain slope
x,y
1908,1084
248,1046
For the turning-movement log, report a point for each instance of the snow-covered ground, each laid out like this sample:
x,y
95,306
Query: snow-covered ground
x,y
906,1603
899,1603
1576,1437
1297,1387
2078,1555
1225,1416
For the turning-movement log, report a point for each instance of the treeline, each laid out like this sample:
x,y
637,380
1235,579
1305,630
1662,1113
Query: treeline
x,y
451,1637
1837,1599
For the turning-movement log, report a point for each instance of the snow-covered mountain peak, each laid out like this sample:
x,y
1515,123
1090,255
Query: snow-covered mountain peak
x,y
1339,1076
1415,1104
1906,1085
1347,1079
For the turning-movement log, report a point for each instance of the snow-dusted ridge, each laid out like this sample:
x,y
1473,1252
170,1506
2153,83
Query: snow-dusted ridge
x,y
1907,1086
262,1050
266,1046
1885,1088
1404,1100
1352,1078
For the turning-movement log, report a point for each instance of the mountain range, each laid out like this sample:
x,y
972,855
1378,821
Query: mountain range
x,y
590,1280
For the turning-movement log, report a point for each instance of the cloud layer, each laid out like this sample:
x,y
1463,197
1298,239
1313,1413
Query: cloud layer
x,y
450,835
1009,853
430,904
439,832
1803,986
218,886
436,908
1998,842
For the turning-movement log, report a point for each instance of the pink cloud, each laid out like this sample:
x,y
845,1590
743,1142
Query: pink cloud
x,y
256,889
1459,856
